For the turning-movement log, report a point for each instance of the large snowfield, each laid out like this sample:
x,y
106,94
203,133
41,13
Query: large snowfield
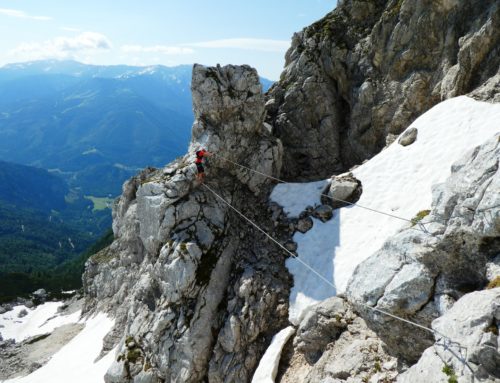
x,y
75,362
397,181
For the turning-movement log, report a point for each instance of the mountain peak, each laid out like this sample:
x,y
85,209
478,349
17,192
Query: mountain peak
x,y
78,69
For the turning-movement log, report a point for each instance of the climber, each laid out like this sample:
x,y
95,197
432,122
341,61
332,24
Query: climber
x,y
200,154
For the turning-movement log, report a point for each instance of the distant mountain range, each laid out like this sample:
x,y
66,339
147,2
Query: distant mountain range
x,y
82,119
94,125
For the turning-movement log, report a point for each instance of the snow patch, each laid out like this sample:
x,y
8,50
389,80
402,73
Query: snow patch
x,y
41,320
76,361
268,366
295,197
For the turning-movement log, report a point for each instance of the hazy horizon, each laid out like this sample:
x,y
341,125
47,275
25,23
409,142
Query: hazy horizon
x,y
169,34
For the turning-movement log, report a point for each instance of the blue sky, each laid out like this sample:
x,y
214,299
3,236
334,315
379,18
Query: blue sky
x,y
150,32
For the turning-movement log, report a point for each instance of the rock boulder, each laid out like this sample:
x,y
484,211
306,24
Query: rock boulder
x,y
408,137
342,190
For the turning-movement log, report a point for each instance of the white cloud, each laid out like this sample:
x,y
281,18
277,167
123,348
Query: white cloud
x,y
70,29
243,43
85,40
22,15
62,47
246,43
167,50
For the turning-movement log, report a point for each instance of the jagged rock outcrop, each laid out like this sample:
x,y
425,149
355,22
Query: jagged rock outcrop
x,y
359,76
333,344
420,274
472,349
196,292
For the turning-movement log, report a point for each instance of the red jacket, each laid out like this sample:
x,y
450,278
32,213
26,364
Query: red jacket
x,y
199,156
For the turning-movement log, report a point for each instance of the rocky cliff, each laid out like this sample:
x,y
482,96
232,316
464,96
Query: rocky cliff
x,y
358,77
196,292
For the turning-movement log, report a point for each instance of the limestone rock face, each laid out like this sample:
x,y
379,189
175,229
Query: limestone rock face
x,y
359,76
229,111
418,274
321,325
197,293
472,328
191,283
332,344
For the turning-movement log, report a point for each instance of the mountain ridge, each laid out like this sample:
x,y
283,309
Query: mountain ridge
x,y
77,123
80,118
